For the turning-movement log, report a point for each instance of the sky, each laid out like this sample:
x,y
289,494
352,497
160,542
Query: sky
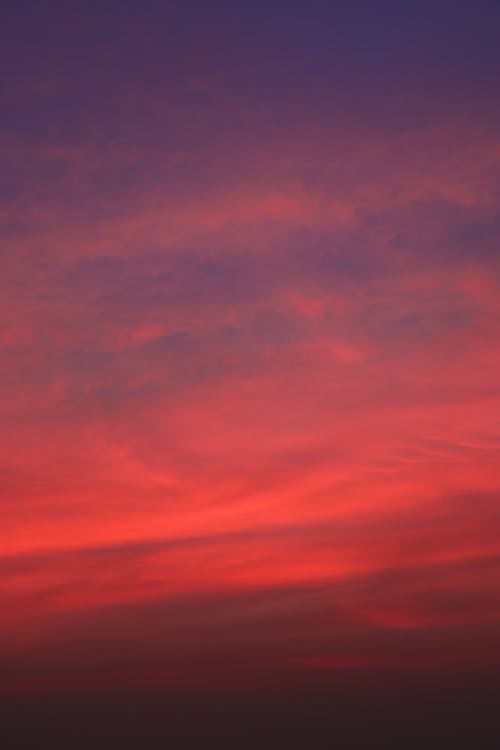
x,y
249,360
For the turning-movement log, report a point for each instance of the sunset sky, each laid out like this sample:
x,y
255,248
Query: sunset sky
x,y
249,344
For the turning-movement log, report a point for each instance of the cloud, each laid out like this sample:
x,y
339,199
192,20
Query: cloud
x,y
248,351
